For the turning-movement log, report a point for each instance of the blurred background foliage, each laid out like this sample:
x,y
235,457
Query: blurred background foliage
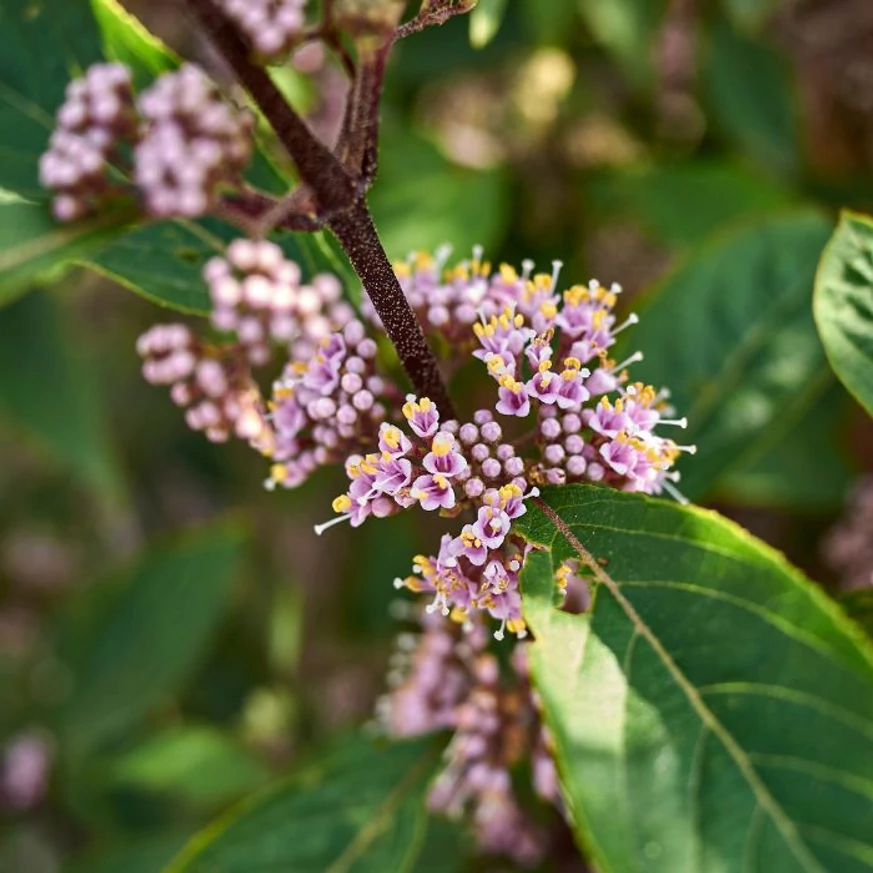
x,y
173,637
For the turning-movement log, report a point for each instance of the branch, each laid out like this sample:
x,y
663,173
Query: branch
x,y
433,14
315,162
357,234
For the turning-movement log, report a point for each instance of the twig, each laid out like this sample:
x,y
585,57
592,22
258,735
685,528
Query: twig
x,y
437,13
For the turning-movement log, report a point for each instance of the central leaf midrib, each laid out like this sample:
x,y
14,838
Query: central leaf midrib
x,y
783,823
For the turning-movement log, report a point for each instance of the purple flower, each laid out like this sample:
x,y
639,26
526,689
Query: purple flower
x,y
393,441
443,457
607,419
470,546
544,386
393,475
433,492
422,415
492,525
513,398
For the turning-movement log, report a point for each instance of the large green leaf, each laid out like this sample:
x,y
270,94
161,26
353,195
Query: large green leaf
x,y
34,245
780,473
714,711
50,394
751,97
146,636
627,28
164,262
363,809
198,764
421,201
730,332
844,305
43,43
682,204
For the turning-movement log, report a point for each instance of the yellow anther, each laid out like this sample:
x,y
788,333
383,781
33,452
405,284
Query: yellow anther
x,y
598,318
458,615
343,503
549,309
544,366
442,444
278,472
573,363
508,274
516,626
401,269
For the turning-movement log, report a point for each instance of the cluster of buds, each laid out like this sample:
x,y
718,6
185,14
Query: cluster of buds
x,y
187,142
272,27
212,385
444,679
848,547
585,422
191,144
327,405
97,115
258,295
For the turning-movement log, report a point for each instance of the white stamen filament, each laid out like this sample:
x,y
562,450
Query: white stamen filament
x,y
635,358
692,450
321,528
500,633
478,253
557,266
441,256
678,422
631,320
675,493
399,583
527,266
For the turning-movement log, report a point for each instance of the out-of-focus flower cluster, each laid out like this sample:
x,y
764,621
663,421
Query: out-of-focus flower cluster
x,y
848,547
179,142
445,679
272,27
562,410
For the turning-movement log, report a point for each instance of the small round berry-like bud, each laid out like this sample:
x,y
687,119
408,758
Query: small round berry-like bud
x,y
505,451
491,431
576,465
550,428
482,416
351,383
491,468
480,452
554,454
513,466
571,423
574,444
363,400
595,471
474,487
469,434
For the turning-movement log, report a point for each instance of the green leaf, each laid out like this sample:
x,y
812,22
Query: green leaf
x,y
843,305
782,474
51,395
144,855
683,204
714,711
150,634
421,201
198,764
858,605
730,332
126,41
626,28
751,97
33,245
43,43
485,21
750,15
164,262
362,809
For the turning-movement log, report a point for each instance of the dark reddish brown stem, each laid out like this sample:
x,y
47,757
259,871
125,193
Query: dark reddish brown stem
x,y
357,235
338,196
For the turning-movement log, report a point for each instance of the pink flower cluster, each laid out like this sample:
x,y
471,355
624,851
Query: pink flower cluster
x,y
582,420
257,293
212,385
444,679
97,115
187,143
191,143
272,27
